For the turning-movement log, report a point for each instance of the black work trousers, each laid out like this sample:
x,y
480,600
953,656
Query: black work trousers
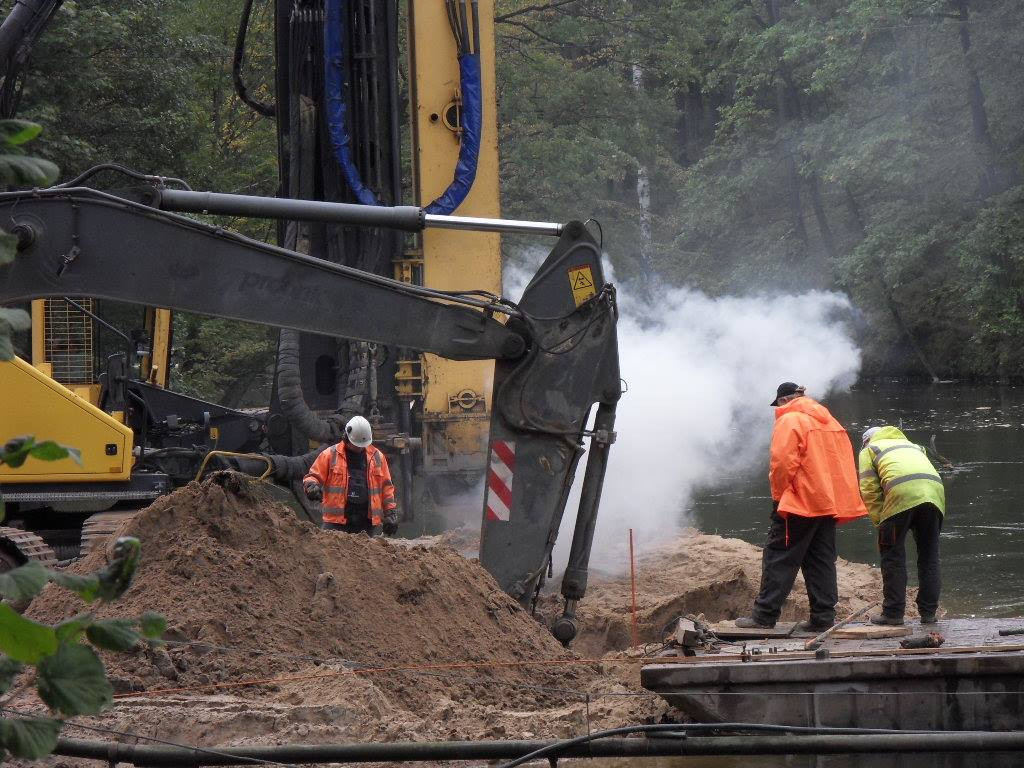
x,y
925,522
806,544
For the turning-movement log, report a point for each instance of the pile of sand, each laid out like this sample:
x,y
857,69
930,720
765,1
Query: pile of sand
x,y
692,574
250,592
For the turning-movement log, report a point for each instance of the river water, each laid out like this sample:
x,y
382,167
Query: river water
x,y
980,430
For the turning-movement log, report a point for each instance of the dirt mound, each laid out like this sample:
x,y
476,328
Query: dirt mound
x,y
250,592
696,573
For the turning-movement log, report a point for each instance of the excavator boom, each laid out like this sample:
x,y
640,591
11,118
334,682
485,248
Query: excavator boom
x,y
556,353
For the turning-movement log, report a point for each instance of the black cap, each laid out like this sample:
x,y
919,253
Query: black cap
x,y
785,389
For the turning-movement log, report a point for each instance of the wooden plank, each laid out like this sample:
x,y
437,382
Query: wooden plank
x,y
727,630
870,632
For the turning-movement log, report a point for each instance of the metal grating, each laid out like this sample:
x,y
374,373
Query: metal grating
x,y
69,341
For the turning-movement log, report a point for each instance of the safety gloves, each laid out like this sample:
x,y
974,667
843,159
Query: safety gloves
x,y
314,491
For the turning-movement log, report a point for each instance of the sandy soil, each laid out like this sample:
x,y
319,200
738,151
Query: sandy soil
x,y
280,632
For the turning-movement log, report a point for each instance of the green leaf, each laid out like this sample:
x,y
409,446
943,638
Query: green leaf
x,y
70,630
117,576
23,639
73,682
51,451
23,171
16,132
86,587
153,625
113,634
24,582
29,737
16,451
9,669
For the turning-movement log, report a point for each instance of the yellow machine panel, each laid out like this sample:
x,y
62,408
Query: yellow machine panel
x,y
456,394
37,405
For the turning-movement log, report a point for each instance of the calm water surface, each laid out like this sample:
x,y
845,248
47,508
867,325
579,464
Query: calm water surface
x,y
980,429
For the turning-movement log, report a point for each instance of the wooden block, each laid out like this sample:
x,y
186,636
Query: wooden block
x,y
869,632
727,630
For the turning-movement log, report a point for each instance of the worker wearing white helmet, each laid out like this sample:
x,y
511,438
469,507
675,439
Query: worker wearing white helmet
x,y
353,483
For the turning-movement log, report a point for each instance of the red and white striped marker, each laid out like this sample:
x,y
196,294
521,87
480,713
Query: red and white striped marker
x,y
499,480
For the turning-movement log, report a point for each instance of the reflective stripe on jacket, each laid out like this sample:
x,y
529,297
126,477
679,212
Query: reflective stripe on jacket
x,y
330,470
896,475
812,473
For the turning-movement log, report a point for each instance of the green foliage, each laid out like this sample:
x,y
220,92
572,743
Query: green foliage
x,y
16,451
25,640
29,737
70,677
865,145
72,681
18,169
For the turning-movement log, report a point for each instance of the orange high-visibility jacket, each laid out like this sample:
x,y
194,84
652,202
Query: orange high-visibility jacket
x,y
812,472
330,470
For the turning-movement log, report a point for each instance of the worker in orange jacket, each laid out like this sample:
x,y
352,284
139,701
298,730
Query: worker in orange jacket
x,y
353,483
814,487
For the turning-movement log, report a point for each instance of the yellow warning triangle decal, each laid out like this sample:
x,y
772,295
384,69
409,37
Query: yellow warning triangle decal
x,y
582,281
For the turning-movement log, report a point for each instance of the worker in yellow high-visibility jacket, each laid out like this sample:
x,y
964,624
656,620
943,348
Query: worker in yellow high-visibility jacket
x,y
903,492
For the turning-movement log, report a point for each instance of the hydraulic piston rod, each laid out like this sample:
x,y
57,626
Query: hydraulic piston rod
x,y
403,217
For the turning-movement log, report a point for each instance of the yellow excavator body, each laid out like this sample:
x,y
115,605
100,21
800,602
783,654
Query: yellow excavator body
x,y
38,405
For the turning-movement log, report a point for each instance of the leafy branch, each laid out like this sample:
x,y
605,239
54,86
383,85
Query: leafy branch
x,y
69,676
18,170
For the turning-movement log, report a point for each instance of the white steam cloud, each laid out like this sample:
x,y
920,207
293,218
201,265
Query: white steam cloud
x,y
701,372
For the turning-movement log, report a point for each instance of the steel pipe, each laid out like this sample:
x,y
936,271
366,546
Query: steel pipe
x,y
403,217
505,226
953,741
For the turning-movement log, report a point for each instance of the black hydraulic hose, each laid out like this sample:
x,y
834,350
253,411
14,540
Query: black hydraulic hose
x,y
293,403
267,110
821,741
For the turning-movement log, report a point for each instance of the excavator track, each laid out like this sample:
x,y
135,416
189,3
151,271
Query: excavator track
x,y
97,530
18,546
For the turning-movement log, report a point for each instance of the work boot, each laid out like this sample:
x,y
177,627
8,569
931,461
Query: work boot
x,y
749,622
812,626
929,618
889,621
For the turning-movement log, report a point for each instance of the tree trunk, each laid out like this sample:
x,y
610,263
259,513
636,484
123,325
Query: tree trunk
x,y
796,207
824,228
890,298
643,199
989,182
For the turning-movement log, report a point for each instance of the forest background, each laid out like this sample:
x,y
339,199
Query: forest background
x,y
874,147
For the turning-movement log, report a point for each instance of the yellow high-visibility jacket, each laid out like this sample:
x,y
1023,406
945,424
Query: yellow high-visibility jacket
x,y
895,475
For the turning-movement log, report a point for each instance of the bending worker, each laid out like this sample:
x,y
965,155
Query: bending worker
x,y
353,482
814,487
903,492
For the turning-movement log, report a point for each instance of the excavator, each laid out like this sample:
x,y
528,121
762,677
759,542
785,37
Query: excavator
x,y
388,309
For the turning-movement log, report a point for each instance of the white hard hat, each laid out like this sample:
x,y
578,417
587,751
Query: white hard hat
x,y
868,434
358,432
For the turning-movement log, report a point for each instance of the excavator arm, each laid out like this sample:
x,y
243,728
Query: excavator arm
x,y
556,351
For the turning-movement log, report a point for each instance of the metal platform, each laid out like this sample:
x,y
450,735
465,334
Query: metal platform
x,y
975,681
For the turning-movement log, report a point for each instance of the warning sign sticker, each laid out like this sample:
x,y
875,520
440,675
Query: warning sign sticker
x,y
581,281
